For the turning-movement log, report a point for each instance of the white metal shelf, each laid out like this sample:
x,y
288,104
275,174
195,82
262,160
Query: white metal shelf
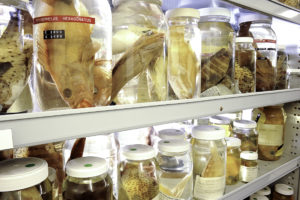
x,y
43,127
269,172
20,4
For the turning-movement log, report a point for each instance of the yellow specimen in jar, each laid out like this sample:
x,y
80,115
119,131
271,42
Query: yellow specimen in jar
x,y
233,165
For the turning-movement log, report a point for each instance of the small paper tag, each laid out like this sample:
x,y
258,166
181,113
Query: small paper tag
x,y
6,139
54,34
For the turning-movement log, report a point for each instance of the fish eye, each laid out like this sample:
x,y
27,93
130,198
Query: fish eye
x,y
67,93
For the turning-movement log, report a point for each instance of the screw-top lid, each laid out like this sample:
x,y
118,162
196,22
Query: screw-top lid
x,y
138,152
254,17
182,12
249,155
86,167
258,197
265,191
219,120
173,146
244,124
168,134
208,132
233,142
21,173
244,39
284,189
224,12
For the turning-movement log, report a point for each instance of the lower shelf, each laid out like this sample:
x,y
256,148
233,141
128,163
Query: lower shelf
x,y
268,173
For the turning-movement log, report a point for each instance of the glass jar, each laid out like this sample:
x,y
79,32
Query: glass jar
x,y
184,49
87,178
52,177
258,197
217,47
209,157
223,122
292,3
282,66
175,170
266,191
139,57
283,192
246,131
249,166
72,54
245,66
15,55
138,175
270,127
259,27
24,178
233,160
293,78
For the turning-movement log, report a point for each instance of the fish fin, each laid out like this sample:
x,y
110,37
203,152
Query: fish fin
x,y
78,148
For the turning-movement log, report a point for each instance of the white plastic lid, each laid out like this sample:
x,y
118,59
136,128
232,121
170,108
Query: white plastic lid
x,y
168,134
219,120
215,12
293,71
254,17
265,191
21,173
233,142
173,146
182,12
208,132
284,189
249,155
86,167
281,47
138,152
244,39
258,197
244,124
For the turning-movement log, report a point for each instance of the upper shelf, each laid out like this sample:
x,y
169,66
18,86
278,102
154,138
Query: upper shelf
x,y
43,127
20,4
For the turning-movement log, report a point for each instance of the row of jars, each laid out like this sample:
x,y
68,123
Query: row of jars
x,y
137,54
280,192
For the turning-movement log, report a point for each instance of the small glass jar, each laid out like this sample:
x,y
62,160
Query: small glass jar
x,y
138,174
175,170
249,166
217,47
223,122
259,27
246,131
258,197
266,191
283,192
270,127
245,66
293,78
282,66
24,178
184,49
233,160
209,157
87,178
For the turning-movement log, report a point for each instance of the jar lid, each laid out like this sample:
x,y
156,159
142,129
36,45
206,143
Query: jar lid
x,y
244,124
51,174
182,12
265,191
249,155
86,167
219,120
284,189
281,47
258,197
293,71
215,12
168,134
173,146
254,17
21,173
233,142
208,132
244,39
138,152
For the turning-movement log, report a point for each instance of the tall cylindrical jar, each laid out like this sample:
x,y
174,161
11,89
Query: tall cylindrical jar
x,y
138,173
233,161
72,54
282,66
217,66
245,66
184,51
209,162
139,58
175,170
259,27
87,178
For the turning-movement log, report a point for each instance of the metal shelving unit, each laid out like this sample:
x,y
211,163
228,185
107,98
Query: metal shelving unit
x,y
20,4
